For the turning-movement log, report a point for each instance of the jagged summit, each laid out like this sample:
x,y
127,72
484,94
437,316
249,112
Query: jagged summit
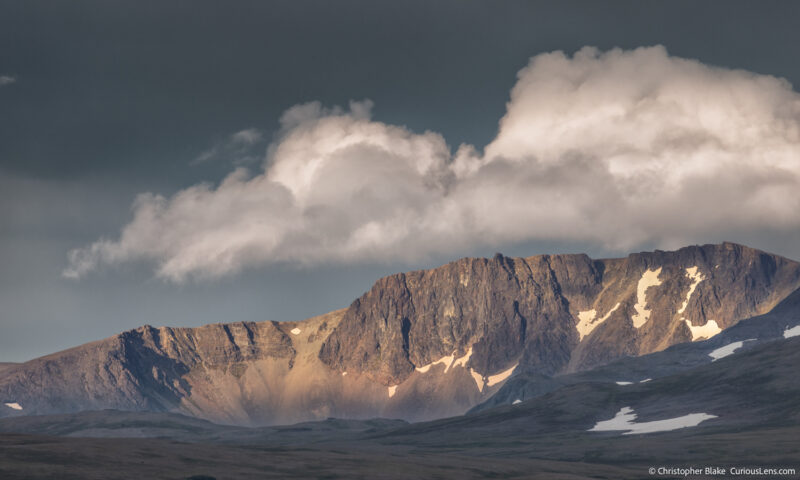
x,y
417,345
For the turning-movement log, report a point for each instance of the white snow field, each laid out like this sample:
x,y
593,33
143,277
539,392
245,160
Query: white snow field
x,y
728,349
462,361
478,379
649,279
696,277
791,332
622,382
703,331
587,321
625,421
495,379
446,361
451,362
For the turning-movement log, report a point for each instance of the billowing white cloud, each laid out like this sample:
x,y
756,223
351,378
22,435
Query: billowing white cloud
x,y
7,80
620,148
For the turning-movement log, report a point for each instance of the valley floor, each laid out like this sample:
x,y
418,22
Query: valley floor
x,y
573,455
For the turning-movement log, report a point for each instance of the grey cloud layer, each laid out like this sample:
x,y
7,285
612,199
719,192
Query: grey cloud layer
x,y
620,148
7,80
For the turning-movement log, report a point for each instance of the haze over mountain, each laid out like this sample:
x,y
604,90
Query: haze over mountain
x,y
418,345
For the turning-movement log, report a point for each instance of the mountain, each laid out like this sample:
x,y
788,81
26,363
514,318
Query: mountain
x,y
746,403
418,345
781,322
554,312
6,366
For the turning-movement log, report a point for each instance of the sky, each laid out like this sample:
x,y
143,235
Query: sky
x,y
189,162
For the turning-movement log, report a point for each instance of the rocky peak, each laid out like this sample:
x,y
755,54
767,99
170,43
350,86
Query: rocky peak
x,y
554,312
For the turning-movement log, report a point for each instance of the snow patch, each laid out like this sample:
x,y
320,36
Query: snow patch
x,y
631,383
425,368
729,349
516,401
482,381
495,379
605,317
791,332
462,361
478,379
625,420
587,316
587,321
392,390
296,331
704,331
446,361
649,279
450,361
14,406
696,277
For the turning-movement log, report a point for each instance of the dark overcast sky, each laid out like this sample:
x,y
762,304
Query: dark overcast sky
x,y
115,98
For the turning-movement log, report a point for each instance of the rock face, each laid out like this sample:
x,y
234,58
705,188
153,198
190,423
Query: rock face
x,y
778,325
142,369
418,345
553,313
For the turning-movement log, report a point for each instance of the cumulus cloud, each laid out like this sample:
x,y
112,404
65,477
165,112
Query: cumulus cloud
x,y
618,148
7,80
237,148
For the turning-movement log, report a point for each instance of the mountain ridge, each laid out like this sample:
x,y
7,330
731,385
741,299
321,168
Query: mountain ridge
x,y
418,345
551,285
742,337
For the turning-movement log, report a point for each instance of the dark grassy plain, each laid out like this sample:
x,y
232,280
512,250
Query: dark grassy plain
x,y
571,455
